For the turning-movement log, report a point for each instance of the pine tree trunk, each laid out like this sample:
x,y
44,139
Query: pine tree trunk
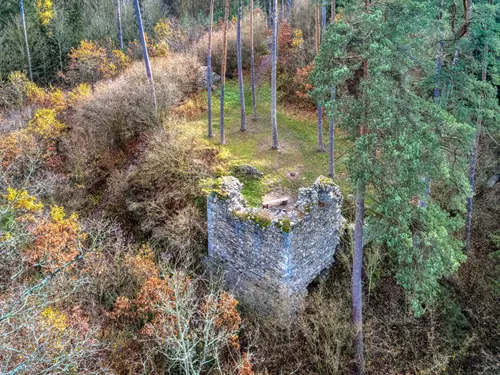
x,y
436,95
119,19
321,146
240,71
357,291
331,127
223,75
145,54
357,265
274,119
23,24
472,182
267,5
331,140
209,71
474,157
252,63
323,20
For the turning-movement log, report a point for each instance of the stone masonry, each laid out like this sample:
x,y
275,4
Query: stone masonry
x,y
270,256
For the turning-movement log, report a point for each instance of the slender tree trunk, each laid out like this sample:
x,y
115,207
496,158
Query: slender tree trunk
x,y
323,20
240,70
119,19
274,119
23,24
472,182
474,157
357,266
267,5
145,54
436,95
223,75
321,146
331,140
252,63
209,71
331,127
357,291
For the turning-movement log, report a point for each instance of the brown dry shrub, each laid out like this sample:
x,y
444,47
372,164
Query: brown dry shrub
x,y
200,48
121,109
161,197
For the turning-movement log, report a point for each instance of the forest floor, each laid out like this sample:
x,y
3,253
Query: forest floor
x,y
296,164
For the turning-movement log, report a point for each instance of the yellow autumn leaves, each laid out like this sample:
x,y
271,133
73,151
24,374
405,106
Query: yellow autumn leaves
x,y
46,11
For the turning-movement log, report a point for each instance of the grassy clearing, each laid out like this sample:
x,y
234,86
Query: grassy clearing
x,y
295,165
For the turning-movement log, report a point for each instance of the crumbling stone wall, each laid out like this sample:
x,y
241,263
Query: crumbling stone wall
x,y
270,256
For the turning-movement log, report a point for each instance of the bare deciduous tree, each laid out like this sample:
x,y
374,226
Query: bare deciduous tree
x,y
223,75
145,54
274,119
209,70
252,63
240,70
23,24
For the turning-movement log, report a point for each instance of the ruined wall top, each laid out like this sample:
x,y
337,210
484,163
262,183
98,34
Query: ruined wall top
x,y
324,191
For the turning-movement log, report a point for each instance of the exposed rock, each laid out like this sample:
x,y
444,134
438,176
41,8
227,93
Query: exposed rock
x,y
203,77
270,256
249,171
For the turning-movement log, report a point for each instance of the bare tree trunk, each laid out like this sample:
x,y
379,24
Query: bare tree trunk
x,y
223,75
119,19
145,52
252,63
240,70
267,5
357,291
331,127
321,146
323,20
436,94
209,71
357,266
472,182
474,157
274,119
23,24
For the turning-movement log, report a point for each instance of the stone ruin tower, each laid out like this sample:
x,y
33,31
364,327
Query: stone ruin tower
x,y
270,256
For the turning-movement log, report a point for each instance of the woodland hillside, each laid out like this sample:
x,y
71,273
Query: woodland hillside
x,y
119,117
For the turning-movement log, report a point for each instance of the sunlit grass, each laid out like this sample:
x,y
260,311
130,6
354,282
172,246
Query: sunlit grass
x,y
294,165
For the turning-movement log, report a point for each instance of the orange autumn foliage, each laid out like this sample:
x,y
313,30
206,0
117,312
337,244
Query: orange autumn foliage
x,y
301,80
12,146
56,241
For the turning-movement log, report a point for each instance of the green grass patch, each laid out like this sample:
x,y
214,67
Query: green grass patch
x,y
296,164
